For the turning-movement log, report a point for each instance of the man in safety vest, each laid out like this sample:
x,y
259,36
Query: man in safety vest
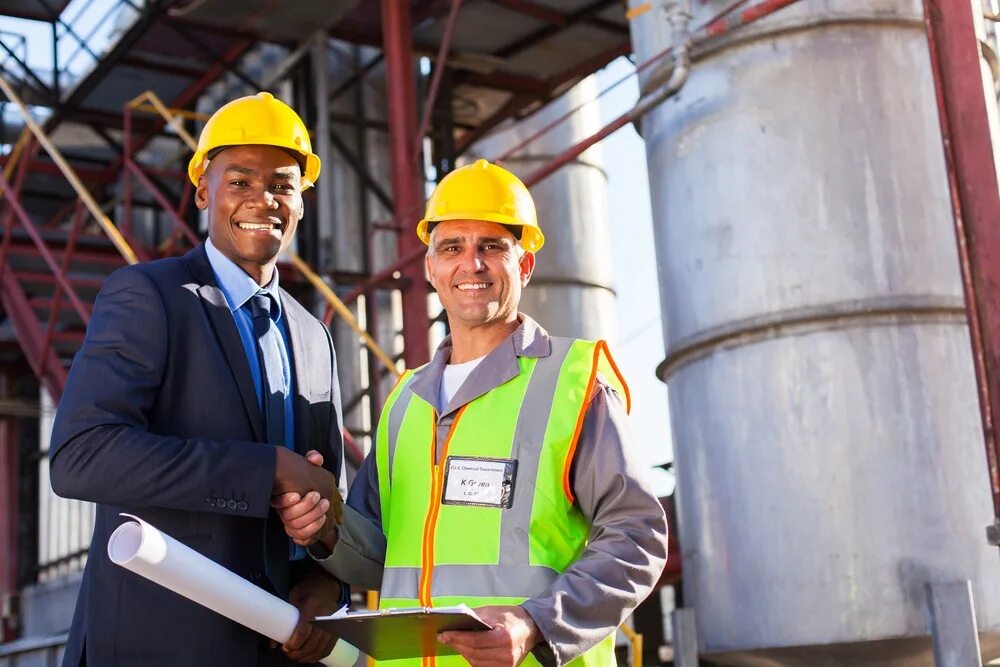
x,y
503,474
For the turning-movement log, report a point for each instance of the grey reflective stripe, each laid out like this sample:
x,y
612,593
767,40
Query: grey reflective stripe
x,y
400,582
481,581
532,420
396,422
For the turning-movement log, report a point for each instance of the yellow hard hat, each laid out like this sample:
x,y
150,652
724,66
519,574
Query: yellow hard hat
x,y
256,119
484,191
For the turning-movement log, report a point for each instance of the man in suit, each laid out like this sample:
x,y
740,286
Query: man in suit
x,y
199,385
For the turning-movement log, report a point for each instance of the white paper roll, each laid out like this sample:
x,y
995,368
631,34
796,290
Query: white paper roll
x,y
141,548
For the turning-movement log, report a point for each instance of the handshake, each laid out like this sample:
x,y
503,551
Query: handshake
x,y
306,498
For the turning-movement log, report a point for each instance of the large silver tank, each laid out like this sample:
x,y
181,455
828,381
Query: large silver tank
x,y
826,426
571,292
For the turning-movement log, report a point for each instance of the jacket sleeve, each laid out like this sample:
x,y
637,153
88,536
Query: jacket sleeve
x,y
101,448
358,558
336,435
628,540
334,461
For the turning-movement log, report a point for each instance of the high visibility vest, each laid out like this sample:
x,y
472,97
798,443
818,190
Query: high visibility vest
x,y
445,554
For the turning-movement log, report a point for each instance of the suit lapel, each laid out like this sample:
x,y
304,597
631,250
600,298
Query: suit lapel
x,y
300,363
221,318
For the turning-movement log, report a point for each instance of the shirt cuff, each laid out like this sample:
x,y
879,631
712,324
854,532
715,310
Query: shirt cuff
x,y
319,552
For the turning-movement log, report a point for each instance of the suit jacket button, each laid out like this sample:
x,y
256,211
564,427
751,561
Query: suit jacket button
x,y
220,503
242,506
231,504
210,502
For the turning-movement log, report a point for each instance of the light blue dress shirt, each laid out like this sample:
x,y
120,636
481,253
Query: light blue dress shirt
x,y
238,288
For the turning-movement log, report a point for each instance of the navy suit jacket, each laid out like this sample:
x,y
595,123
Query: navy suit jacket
x,y
160,419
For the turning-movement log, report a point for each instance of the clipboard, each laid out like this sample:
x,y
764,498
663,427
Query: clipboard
x,y
390,634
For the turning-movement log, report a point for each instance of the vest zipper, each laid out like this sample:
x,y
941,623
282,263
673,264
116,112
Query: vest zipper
x,y
430,525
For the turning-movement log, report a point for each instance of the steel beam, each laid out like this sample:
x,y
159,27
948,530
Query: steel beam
x,y
320,57
9,446
953,624
540,35
972,174
406,178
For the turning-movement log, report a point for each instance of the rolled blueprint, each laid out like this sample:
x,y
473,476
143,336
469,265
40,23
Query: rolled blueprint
x,y
141,548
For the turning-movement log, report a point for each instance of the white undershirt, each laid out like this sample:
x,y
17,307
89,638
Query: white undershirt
x,y
453,377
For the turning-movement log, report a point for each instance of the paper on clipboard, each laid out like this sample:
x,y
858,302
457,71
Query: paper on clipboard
x,y
390,634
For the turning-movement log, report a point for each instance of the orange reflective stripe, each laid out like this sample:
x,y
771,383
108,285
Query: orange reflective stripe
x,y
579,426
437,483
432,511
611,360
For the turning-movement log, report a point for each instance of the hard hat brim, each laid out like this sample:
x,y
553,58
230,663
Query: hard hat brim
x,y
530,237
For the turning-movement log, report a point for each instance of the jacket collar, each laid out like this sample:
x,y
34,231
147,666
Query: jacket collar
x,y
499,366
220,316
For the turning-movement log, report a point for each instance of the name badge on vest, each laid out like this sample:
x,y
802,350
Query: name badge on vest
x,y
480,482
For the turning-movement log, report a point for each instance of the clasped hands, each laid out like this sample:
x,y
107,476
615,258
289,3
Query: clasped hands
x,y
306,498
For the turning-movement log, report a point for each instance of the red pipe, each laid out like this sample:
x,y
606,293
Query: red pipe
x,y
27,154
162,200
561,119
57,296
376,278
972,180
9,445
407,181
352,452
714,29
576,150
439,66
44,251
724,24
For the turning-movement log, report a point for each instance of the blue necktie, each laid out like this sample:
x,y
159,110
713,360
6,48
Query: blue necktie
x,y
269,344
268,337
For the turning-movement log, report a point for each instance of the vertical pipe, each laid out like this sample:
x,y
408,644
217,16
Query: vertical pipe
x,y
8,518
364,211
56,94
406,181
126,223
321,95
972,177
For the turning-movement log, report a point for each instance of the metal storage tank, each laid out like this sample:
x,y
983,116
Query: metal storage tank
x,y
827,433
571,292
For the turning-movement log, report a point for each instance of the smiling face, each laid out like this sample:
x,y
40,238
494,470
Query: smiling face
x,y
478,271
253,195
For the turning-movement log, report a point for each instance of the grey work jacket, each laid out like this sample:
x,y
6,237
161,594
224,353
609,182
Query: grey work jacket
x,y
627,547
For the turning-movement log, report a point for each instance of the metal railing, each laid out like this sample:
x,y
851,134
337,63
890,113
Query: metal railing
x,y
64,525
81,36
